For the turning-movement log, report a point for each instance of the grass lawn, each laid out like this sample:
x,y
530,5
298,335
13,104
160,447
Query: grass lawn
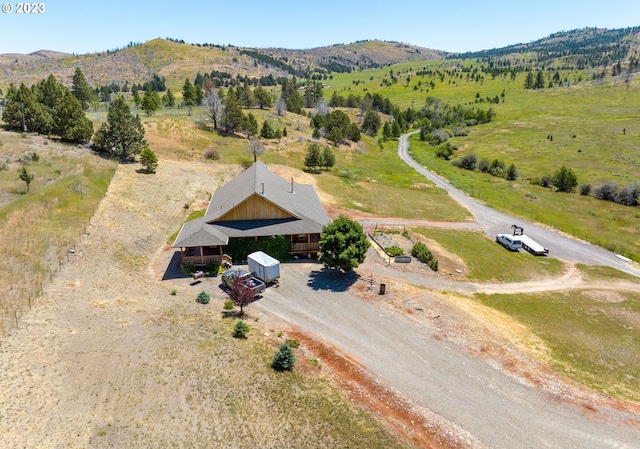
x,y
592,339
488,261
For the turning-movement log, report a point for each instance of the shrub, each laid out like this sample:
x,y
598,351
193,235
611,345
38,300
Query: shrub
x,y
149,160
292,343
213,268
607,191
584,189
483,165
424,255
394,250
228,305
629,195
35,157
3,166
173,292
188,269
512,173
284,358
211,153
468,162
241,329
445,151
203,297
497,168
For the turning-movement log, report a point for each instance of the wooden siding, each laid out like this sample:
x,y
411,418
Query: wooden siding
x,y
255,208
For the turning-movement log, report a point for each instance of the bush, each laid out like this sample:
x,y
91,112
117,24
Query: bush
x,y
173,292
424,255
228,305
608,191
292,343
149,160
241,329
445,151
213,268
3,166
211,153
584,189
203,297
394,250
284,358
188,269
468,162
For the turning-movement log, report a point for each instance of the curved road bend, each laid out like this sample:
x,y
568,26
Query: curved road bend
x,y
494,222
489,408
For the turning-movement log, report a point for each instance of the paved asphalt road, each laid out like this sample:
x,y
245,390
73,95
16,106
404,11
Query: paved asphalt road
x,y
494,222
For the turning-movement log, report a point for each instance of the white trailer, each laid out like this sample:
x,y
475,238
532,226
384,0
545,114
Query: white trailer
x,y
532,246
264,267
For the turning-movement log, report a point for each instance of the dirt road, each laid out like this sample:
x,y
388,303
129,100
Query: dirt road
x,y
487,406
493,222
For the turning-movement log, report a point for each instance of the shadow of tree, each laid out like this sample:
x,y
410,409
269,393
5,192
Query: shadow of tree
x,y
333,280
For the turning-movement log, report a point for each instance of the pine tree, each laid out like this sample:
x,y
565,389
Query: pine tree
x,y
150,101
313,159
122,135
81,89
188,93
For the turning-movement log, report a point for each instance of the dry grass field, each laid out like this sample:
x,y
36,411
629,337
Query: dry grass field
x,y
110,358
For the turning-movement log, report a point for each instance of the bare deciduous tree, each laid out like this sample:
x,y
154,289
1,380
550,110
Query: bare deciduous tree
x,y
322,107
281,107
255,147
213,103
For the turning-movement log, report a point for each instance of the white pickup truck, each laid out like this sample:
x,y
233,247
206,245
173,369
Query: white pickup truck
x,y
509,241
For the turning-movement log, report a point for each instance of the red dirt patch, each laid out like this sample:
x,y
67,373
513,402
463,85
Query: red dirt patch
x,y
395,411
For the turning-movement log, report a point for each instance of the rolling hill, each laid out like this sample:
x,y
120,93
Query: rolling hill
x,y
176,60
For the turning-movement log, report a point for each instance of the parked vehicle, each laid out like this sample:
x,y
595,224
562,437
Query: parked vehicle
x,y
511,242
264,267
230,278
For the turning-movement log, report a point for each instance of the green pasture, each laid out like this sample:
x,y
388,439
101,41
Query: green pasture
x,y
596,342
488,261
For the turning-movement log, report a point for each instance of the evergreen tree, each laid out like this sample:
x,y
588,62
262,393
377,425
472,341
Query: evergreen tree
x,y
199,94
69,120
371,122
328,158
25,176
22,110
539,83
149,159
122,135
250,125
528,81
267,131
343,244
136,98
150,101
564,179
262,97
246,98
171,99
81,89
233,116
188,93
313,159
284,359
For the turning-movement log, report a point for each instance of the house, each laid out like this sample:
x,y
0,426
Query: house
x,y
255,204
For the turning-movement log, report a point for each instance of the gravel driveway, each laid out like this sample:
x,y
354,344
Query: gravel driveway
x,y
490,408
493,222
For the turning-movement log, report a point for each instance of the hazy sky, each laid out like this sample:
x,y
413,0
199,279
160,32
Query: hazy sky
x,y
88,26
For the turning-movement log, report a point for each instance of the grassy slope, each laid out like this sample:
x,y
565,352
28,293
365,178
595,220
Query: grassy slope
x,y
596,114
39,228
594,342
